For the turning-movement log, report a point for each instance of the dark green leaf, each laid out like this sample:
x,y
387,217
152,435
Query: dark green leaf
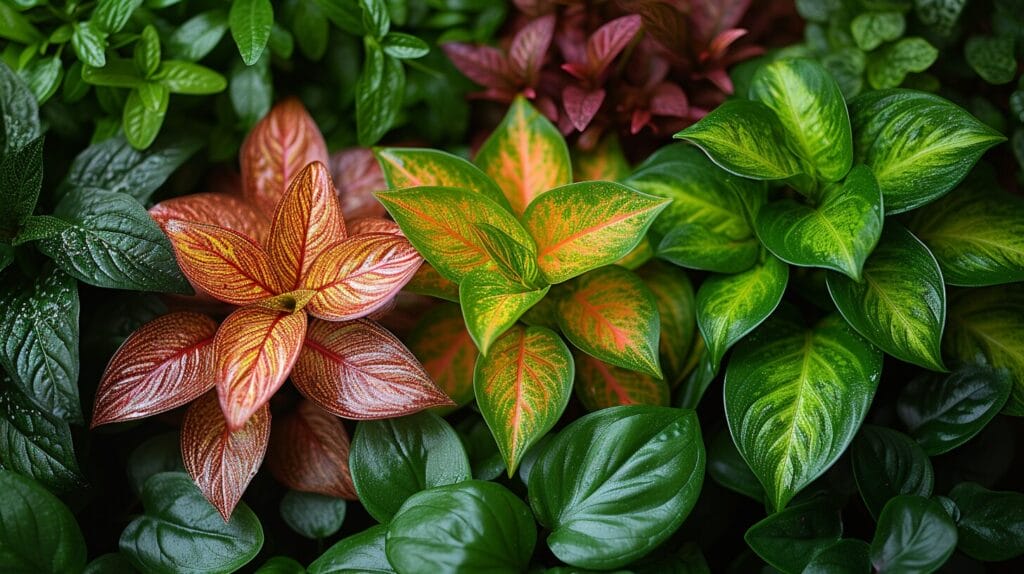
x,y
161,453
992,58
252,92
362,553
182,77
914,534
345,14
19,112
379,94
199,35
404,46
849,556
250,22
888,463
727,467
312,515
38,534
872,29
110,563
16,27
991,524
939,15
112,15
889,66
311,29
790,538
281,42
281,565
21,178
89,43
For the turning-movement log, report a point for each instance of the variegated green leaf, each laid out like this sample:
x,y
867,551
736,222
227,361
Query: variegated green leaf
x,y
673,294
417,167
794,399
900,304
838,234
427,281
601,386
516,261
491,303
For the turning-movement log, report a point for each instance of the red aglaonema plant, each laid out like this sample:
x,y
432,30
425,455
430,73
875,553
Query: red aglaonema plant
x,y
303,285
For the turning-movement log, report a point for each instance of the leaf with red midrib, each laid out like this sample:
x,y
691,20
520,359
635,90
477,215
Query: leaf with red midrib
x,y
358,370
601,386
418,167
166,363
609,40
218,209
309,453
222,462
365,225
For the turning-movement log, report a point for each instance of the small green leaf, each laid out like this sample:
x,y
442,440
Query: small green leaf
x,y
888,463
404,46
363,552
312,515
376,20
900,305
888,67
379,93
112,15
991,523
141,122
38,533
118,73
182,77
516,261
199,35
939,15
992,58
491,304
89,43
43,77
872,29
250,22
21,178
147,51
790,538
914,534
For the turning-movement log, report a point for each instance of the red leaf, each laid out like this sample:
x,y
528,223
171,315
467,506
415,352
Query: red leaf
x,y
530,45
712,18
605,44
356,176
275,150
166,363
220,461
219,209
717,47
581,105
307,222
254,351
721,79
309,453
359,370
669,100
365,225
640,118
484,65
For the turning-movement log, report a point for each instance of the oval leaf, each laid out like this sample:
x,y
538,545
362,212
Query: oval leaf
x,y
250,22
914,534
309,453
312,515
991,522
37,531
600,385
788,539
888,463
491,304
416,167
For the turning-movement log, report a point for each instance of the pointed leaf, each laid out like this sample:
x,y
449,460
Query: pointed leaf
x,y
427,281
582,226
38,531
601,386
522,387
491,304
365,225
608,41
442,344
914,534
901,304
528,48
888,463
254,351
167,363
788,539
485,65
838,234
417,167
250,22
309,452
221,461
673,294
795,398
990,522
213,209
515,261
363,552
358,370
918,145
581,105
525,156
275,150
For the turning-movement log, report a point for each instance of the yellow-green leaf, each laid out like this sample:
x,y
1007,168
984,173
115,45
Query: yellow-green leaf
x,y
416,167
491,304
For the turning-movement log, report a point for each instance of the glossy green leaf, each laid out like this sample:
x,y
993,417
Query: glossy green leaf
x,y
21,178
250,22
848,556
889,66
16,27
795,398
181,532
900,305
182,77
43,77
888,463
492,528
198,36
730,306
142,123
376,20
991,524
379,93
393,459
19,112
112,15
808,103
610,314
744,137
415,167
404,46
359,553
516,261
38,534
89,43
943,412
918,145
727,467
600,385
789,538
837,234
312,515
616,483
872,29
914,534
484,455
117,73
677,312
491,304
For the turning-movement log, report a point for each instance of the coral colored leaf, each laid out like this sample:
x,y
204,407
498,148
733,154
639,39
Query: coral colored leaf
x,y
526,156
254,351
484,65
366,225
581,105
609,40
522,386
360,275
218,209
308,221
280,145
581,226
220,461
167,363
309,453
229,266
528,48
491,304
427,281
358,370
442,344
601,386
416,167
610,314
606,161
357,176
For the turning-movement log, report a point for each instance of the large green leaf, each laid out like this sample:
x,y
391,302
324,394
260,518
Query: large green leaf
x,y
795,398
38,534
491,304
991,523
789,538
900,304
745,138
808,103
182,533
393,459
918,145
731,306
837,234
492,529
914,534
616,483
888,463
362,553
250,22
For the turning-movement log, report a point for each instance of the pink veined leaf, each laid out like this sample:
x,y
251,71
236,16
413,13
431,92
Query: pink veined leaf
x,y
166,363
605,44
669,99
309,453
221,209
581,105
357,175
484,65
529,47
359,370
716,49
220,461
365,225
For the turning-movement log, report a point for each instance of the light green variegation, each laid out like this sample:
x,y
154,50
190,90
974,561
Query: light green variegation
x,y
900,305
491,304
730,306
808,103
838,234
795,398
744,138
416,167
918,145
515,260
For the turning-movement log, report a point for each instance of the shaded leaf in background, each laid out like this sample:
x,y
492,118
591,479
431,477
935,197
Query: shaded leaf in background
x,y
309,452
888,463
37,531
312,515
790,538
991,523
914,534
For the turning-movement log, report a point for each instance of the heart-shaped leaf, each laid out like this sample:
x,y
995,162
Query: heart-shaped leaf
x,y
795,398
418,167
585,225
309,452
838,234
918,145
610,314
525,156
493,530
888,463
396,458
991,522
363,552
314,516
522,387
36,444
790,538
442,344
616,483
731,306
673,295
808,103
38,533
900,305
492,304
914,534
